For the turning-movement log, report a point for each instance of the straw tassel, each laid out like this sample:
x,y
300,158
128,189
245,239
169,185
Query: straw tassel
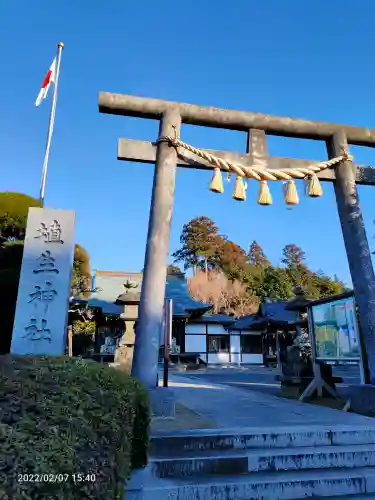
x,y
314,188
216,184
239,192
264,196
290,193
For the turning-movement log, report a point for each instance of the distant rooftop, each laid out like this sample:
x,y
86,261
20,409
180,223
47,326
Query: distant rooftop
x,y
222,319
276,311
250,322
110,286
124,274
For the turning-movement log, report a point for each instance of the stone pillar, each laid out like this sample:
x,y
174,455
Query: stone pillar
x,y
356,245
147,339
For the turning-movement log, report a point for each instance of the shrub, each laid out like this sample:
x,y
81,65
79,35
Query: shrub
x,y
10,264
14,209
8,296
140,425
69,416
11,255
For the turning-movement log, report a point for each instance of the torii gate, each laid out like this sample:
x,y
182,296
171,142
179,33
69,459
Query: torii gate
x,y
166,158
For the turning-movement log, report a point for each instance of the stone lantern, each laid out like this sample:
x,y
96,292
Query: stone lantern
x,y
130,300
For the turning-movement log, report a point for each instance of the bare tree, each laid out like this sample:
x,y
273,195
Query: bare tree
x,y
227,296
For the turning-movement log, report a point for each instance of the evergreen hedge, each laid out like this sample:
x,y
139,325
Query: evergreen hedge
x,y
69,429
14,209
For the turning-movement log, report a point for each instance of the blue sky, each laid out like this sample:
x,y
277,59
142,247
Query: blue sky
x,y
305,59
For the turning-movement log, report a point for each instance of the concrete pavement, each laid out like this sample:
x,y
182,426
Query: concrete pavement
x,y
262,379
232,407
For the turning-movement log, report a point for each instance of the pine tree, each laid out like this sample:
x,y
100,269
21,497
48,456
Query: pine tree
x,y
199,244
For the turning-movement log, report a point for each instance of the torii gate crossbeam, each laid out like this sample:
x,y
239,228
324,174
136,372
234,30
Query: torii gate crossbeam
x,y
344,177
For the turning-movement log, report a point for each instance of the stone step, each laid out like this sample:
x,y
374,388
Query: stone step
x,y
277,459
288,485
365,496
171,444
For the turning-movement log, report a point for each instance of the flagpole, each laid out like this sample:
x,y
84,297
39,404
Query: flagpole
x,y
60,46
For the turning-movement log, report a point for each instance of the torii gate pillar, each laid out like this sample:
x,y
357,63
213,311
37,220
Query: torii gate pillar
x,y
147,338
357,247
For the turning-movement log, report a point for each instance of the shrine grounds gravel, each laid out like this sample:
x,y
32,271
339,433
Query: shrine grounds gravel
x,y
69,429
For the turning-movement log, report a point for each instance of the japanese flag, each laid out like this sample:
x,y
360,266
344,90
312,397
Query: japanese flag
x,y
50,78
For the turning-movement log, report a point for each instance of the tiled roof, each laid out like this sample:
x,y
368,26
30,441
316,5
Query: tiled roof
x,y
222,319
182,302
275,311
111,285
250,322
124,274
269,312
107,307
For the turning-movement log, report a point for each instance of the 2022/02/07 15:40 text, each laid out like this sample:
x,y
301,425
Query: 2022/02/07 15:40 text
x,y
56,478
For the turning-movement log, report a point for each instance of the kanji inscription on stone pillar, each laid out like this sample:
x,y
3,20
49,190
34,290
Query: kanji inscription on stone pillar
x,y
40,324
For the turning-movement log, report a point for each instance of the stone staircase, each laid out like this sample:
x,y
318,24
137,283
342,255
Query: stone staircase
x,y
259,464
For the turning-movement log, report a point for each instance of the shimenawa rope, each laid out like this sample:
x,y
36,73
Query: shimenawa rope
x,y
257,172
261,174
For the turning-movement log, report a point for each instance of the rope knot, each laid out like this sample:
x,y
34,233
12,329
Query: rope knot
x,y
346,155
172,141
167,138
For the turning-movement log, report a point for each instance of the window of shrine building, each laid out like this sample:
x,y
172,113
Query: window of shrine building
x,y
251,344
218,343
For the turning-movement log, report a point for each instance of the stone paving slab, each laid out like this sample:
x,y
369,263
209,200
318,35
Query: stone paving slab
x,y
185,419
230,406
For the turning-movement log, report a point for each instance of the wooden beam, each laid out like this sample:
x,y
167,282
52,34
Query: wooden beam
x,y
142,107
145,152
